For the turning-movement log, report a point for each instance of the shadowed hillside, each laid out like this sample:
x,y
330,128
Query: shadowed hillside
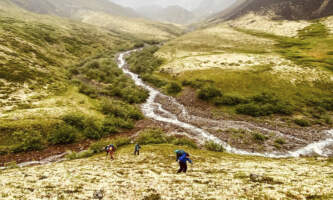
x,y
281,9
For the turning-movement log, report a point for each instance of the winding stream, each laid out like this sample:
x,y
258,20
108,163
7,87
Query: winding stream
x,y
154,110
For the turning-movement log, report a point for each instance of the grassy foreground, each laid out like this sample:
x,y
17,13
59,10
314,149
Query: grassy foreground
x,y
152,175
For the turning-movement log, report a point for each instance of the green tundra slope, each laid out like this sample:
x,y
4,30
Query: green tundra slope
x,y
152,175
259,67
54,70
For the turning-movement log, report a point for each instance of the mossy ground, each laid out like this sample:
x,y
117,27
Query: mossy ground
x,y
212,176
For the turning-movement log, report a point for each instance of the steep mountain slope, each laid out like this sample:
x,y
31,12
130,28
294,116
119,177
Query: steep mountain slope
x,y
280,9
174,14
152,175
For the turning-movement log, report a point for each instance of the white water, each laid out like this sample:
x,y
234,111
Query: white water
x,y
149,110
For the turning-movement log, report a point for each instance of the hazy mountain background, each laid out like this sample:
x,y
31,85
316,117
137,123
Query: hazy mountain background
x,y
176,11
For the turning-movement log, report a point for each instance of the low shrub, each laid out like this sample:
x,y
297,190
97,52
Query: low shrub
x,y
230,100
99,146
209,92
151,136
111,124
121,110
4,150
144,61
88,90
265,98
64,134
173,88
280,141
77,155
213,146
75,119
198,83
182,141
250,109
302,122
121,141
28,141
257,110
259,137
155,81
93,129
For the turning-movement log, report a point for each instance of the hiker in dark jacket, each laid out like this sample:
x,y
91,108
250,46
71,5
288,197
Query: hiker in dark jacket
x,y
137,149
179,153
110,149
183,162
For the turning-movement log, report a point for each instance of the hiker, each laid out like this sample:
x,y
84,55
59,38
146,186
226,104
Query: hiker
x,y
179,153
110,149
137,149
183,163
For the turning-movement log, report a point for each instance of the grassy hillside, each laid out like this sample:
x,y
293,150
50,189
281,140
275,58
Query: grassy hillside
x,y
66,8
105,14
243,68
140,28
59,82
152,175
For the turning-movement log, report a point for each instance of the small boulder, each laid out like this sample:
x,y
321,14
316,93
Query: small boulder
x,y
263,179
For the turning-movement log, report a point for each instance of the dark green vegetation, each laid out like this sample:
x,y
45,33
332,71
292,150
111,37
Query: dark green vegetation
x,y
261,94
71,128
157,136
146,137
145,63
212,146
100,76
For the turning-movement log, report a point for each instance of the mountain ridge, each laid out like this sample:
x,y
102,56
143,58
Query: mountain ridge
x,y
66,8
278,9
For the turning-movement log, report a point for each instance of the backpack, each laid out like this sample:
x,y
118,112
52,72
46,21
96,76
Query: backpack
x,y
107,148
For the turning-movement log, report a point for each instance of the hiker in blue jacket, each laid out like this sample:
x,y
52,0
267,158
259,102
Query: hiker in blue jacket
x,y
183,163
179,153
137,149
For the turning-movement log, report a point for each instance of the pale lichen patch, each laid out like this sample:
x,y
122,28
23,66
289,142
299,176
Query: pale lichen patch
x,y
265,24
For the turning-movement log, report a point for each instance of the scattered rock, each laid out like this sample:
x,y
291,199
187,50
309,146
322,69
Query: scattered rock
x,y
263,179
152,195
99,194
